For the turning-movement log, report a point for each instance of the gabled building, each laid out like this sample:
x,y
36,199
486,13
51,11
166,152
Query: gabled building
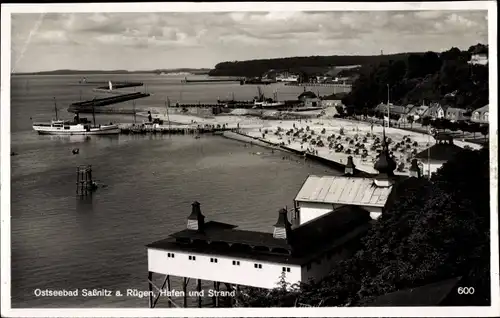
x,y
435,111
435,156
456,114
481,115
393,109
418,111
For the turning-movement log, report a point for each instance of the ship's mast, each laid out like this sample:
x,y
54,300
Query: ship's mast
x,y
55,108
133,105
167,105
388,109
93,111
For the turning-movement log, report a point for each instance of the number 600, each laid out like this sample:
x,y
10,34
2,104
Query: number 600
x,y
465,290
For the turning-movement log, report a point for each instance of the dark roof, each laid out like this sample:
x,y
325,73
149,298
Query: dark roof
x,y
440,151
307,94
304,243
232,236
427,295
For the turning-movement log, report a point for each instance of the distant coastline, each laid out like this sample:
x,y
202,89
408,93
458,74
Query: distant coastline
x,y
192,71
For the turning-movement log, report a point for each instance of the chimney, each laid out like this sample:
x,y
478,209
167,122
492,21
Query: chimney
x,y
415,169
282,227
196,220
349,168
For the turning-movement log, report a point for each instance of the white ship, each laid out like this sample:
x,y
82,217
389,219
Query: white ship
x,y
65,127
76,127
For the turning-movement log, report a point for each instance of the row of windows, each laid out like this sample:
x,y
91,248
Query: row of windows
x,y
236,263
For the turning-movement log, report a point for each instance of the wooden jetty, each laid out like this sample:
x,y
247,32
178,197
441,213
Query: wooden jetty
x,y
347,86
142,129
212,80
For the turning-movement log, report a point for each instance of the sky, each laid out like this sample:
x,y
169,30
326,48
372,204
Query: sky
x,y
148,41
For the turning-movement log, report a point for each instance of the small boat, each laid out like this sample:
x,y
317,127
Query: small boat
x,y
79,126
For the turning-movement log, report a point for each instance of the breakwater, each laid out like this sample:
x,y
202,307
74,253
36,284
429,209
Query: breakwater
x,y
101,110
122,85
110,100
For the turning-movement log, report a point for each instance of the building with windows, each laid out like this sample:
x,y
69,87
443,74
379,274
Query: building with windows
x,y
481,115
435,156
456,114
435,111
481,59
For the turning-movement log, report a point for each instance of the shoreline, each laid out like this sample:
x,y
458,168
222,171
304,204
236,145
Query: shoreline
x,y
358,139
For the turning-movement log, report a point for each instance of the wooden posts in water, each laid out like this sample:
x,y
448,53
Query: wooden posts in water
x,y
184,288
199,292
84,183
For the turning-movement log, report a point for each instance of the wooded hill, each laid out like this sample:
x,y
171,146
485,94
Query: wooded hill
x,y
446,78
310,65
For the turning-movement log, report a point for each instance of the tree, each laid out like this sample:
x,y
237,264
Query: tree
x,y
484,130
463,126
410,119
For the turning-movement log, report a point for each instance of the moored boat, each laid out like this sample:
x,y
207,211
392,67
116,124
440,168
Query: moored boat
x,y
79,126
64,127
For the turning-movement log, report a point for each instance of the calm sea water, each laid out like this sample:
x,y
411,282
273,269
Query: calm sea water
x,y
60,241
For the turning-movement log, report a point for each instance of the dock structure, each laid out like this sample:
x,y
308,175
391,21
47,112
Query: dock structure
x,y
346,86
148,128
211,80
224,255
84,183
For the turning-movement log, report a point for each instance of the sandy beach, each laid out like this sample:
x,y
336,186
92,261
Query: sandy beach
x,y
330,138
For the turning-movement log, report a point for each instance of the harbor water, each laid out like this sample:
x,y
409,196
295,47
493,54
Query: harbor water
x,y
64,242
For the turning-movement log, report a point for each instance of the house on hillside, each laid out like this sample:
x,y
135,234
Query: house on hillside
x,y
393,109
435,156
417,111
481,59
481,115
331,101
456,114
435,111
